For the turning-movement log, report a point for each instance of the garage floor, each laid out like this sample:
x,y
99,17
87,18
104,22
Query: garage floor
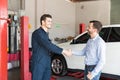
x,y
67,78
14,74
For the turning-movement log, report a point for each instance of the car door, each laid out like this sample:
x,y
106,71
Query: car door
x,y
77,62
113,52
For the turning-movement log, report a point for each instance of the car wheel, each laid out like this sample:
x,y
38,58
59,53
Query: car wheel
x,y
58,65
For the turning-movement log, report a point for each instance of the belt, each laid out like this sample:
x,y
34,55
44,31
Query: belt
x,y
90,65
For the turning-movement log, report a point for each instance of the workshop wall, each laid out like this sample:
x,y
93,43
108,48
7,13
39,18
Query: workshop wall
x,y
92,10
115,12
30,12
13,5
63,14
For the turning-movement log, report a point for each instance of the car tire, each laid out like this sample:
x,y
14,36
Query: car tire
x,y
58,65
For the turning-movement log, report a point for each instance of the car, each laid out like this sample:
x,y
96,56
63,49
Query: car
x,y
60,64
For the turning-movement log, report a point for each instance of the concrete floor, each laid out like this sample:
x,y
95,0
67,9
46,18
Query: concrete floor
x,y
14,74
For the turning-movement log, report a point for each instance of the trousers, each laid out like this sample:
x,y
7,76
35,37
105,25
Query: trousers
x,y
41,72
89,68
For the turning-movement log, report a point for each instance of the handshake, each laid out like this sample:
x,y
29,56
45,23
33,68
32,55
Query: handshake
x,y
67,52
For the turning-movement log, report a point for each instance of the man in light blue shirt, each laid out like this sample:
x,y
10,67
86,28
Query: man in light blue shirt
x,y
94,52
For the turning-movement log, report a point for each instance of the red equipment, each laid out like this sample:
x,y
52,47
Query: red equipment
x,y
25,74
3,39
81,28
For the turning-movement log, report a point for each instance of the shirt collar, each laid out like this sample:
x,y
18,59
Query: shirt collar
x,y
95,37
43,30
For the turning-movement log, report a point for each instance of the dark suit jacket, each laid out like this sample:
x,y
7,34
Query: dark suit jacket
x,y
41,48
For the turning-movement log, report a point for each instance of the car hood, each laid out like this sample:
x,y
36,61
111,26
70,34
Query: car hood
x,y
65,45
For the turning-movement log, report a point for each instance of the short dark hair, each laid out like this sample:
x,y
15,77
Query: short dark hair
x,y
44,16
96,24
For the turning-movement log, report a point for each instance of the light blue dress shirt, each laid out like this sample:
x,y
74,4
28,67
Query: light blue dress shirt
x,y
94,53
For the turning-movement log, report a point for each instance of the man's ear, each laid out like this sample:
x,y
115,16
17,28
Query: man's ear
x,y
43,22
95,30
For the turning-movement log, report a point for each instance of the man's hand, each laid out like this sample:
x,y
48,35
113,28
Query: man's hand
x,y
89,76
67,52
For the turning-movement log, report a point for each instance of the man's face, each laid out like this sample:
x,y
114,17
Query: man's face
x,y
91,29
47,23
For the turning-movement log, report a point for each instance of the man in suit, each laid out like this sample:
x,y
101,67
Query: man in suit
x,y
41,49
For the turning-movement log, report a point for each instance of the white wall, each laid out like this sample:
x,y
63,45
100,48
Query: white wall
x,y
63,14
92,10
30,12
13,5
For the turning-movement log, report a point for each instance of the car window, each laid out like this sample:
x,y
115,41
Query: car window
x,y
82,39
104,33
114,35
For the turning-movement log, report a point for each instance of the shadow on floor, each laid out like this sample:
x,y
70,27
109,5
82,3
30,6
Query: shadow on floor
x,y
67,78
14,74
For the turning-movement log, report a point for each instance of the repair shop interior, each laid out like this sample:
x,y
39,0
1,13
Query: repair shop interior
x,y
59,39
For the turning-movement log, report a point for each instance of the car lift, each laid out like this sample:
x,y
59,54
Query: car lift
x,y
3,39
24,70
